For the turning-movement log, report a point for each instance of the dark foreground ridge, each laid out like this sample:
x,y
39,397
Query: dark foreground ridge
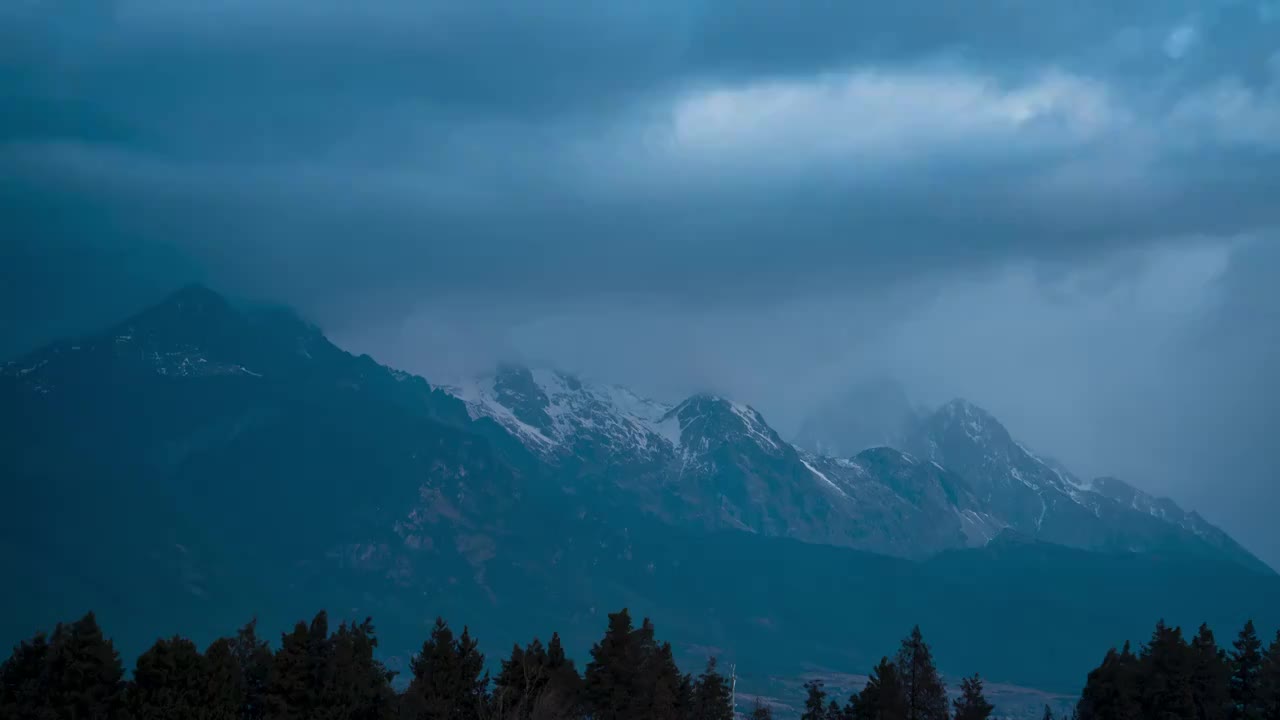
x,y
317,673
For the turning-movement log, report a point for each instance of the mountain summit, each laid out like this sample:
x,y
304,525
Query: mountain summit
x,y
958,480
1041,500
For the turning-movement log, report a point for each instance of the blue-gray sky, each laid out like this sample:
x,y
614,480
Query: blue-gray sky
x,y
1067,212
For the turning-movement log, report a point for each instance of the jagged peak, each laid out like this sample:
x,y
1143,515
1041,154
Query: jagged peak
x,y
977,424
714,415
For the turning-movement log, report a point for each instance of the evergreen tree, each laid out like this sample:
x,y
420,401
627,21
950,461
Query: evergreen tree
x,y
1269,682
1111,691
170,680
1166,676
1246,671
223,686
431,693
75,673
926,695
1210,676
760,711
448,679
253,659
712,699
23,681
83,674
295,685
561,698
536,684
883,697
686,696
357,686
473,681
1048,713
815,704
515,684
607,682
667,691
647,700
972,704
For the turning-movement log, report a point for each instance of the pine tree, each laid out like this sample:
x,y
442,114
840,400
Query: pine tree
x,y
1048,713
1111,691
223,687
972,704
513,687
712,699
357,686
254,659
926,695
473,681
686,696
1269,681
561,699
1166,676
448,679
83,673
295,685
75,673
535,683
431,692
666,691
644,679
170,680
1246,669
607,682
23,680
1210,676
815,704
883,697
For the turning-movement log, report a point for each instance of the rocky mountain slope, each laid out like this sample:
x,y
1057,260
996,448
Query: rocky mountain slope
x,y
202,463
958,481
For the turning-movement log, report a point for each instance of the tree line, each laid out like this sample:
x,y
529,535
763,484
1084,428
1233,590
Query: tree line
x,y
1171,678
319,673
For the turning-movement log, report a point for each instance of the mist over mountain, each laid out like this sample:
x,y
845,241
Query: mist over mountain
x,y
869,414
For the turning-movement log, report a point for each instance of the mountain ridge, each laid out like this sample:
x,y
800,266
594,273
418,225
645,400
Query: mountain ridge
x,y
1001,483
321,478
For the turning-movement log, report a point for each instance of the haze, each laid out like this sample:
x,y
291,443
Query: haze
x,y
1064,212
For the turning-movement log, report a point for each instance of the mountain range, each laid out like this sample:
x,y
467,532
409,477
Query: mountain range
x,y
203,462
956,478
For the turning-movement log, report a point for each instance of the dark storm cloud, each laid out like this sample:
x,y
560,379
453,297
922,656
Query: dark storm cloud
x,y
1012,200
567,149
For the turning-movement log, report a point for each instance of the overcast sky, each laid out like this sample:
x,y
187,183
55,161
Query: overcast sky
x,y
1068,212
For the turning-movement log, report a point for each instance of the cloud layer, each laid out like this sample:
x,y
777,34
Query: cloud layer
x,y
1067,211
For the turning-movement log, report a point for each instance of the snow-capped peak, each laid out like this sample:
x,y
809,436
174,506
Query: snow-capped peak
x,y
714,418
550,411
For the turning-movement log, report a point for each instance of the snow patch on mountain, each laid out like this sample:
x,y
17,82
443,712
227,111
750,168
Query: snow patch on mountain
x,y
481,401
821,476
